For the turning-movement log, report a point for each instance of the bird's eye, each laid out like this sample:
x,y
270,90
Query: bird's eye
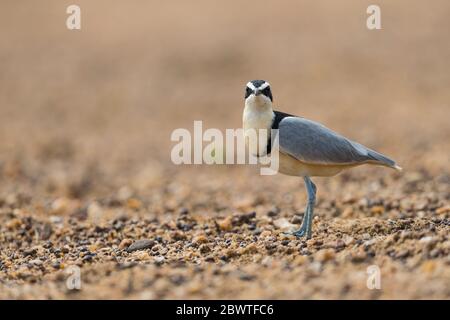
x,y
248,92
267,93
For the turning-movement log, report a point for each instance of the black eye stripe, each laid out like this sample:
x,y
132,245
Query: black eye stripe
x,y
248,92
266,91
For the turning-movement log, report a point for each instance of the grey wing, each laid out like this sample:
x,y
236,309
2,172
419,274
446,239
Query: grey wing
x,y
311,142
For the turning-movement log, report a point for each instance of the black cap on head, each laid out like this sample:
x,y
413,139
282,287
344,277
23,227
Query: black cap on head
x,y
258,83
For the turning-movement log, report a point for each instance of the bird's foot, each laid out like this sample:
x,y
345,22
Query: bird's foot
x,y
302,232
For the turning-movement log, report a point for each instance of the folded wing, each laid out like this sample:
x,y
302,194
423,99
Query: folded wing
x,y
313,143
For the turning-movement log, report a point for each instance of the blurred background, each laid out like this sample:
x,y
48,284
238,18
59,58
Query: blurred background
x,y
88,114
111,93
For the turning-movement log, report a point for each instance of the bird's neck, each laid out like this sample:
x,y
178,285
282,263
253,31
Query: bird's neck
x,y
257,115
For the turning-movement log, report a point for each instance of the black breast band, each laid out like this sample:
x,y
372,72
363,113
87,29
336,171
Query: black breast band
x,y
276,121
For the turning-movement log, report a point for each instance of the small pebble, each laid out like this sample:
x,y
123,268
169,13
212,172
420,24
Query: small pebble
x,y
225,224
141,245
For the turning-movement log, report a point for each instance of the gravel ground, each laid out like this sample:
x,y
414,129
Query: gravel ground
x,y
214,243
86,178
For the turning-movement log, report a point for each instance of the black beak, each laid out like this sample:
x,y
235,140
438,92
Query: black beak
x,y
257,92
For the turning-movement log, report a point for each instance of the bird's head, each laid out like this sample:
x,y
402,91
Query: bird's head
x,y
258,93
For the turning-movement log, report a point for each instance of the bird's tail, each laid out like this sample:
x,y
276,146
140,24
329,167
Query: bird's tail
x,y
383,160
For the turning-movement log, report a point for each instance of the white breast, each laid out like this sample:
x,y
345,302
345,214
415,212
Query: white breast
x,y
257,117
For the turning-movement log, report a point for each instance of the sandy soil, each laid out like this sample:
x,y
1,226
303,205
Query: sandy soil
x,y
86,178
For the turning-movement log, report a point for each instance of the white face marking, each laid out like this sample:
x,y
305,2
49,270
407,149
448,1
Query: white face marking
x,y
261,87
251,86
264,85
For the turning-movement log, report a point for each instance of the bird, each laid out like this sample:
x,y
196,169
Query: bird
x,y
305,148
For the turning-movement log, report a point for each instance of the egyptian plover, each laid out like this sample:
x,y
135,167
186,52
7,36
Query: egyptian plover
x,y
306,148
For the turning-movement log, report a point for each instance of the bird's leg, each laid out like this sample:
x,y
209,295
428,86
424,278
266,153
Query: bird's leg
x,y
312,189
306,227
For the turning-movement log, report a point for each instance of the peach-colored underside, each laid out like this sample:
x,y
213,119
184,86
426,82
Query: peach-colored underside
x,y
290,166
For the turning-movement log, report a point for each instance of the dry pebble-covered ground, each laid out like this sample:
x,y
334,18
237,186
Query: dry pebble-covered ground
x,y
181,243
86,178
